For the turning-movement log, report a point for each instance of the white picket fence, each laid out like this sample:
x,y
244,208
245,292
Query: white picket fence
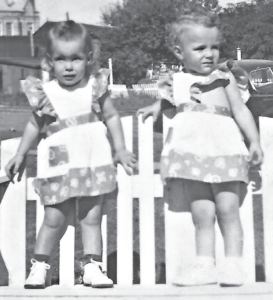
x,y
150,89
179,230
118,90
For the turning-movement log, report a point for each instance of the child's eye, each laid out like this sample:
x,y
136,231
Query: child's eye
x,y
59,59
76,58
199,49
216,47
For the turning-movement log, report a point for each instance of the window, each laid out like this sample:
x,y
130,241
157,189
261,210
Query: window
x,y
30,27
20,27
261,77
9,28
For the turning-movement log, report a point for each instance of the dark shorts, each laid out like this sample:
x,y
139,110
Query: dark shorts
x,y
179,192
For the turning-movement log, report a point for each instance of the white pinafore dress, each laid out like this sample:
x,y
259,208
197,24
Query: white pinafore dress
x,y
74,160
204,143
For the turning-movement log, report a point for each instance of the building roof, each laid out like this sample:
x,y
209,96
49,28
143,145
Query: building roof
x,y
13,5
25,62
15,46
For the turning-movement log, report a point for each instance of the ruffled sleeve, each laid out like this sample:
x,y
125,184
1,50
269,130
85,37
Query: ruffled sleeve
x,y
165,88
240,76
37,98
100,89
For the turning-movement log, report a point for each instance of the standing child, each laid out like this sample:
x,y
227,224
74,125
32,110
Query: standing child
x,y
204,152
74,161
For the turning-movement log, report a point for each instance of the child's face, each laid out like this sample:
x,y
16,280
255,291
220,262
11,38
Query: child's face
x,y
199,49
69,61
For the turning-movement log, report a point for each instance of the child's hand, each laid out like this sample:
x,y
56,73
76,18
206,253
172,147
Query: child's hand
x,y
148,111
16,165
255,154
126,159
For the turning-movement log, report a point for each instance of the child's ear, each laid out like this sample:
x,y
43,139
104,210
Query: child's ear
x,y
47,63
90,58
178,52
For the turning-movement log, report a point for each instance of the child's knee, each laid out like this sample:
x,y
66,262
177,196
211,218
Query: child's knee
x,y
228,210
203,217
53,221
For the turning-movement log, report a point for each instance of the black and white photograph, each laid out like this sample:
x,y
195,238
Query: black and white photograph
x,y
136,149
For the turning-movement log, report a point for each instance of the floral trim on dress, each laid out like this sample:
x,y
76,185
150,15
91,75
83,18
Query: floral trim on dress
x,y
37,98
100,89
79,182
209,109
205,168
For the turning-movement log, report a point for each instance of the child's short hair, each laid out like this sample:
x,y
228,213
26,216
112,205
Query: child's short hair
x,y
196,16
67,31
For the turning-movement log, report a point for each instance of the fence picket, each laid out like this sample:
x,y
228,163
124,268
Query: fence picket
x,y
146,202
266,129
125,215
13,221
67,250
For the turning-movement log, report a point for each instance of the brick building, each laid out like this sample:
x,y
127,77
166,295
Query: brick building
x,y
18,17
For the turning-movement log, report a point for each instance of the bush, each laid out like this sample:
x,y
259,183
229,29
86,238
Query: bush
x,y
129,106
18,99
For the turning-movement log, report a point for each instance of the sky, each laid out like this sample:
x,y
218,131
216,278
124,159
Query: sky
x,y
85,11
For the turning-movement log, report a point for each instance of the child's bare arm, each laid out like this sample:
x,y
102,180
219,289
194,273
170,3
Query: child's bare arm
x,y
245,121
151,110
17,163
154,109
112,119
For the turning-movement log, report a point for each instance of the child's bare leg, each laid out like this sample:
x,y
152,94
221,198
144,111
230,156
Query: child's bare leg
x,y
203,215
227,210
52,227
90,215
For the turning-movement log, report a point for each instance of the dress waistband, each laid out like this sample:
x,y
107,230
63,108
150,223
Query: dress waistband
x,y
61,124
200,107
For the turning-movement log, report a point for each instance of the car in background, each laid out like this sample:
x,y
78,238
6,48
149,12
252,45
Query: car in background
x,y
260,84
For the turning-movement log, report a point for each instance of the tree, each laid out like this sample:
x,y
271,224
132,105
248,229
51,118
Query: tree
x,y
250,27
138,38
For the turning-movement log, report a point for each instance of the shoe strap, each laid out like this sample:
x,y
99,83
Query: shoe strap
x,y
35,262
100,265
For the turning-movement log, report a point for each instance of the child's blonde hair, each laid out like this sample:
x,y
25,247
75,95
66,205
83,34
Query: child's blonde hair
x,y
189,17
68,31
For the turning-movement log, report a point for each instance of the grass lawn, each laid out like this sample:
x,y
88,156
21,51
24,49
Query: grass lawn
x,y
12,122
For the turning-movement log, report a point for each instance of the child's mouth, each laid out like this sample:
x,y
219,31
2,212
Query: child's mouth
x,y
208,63
69,77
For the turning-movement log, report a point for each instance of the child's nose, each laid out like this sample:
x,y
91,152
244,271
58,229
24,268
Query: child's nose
x,y
208,53
68,66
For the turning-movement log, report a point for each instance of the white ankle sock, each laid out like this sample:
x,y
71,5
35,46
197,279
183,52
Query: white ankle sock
x,y
205,260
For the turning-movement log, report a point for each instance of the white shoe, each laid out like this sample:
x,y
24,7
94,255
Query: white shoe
x,y
198,274
231,274
37,276
93,276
